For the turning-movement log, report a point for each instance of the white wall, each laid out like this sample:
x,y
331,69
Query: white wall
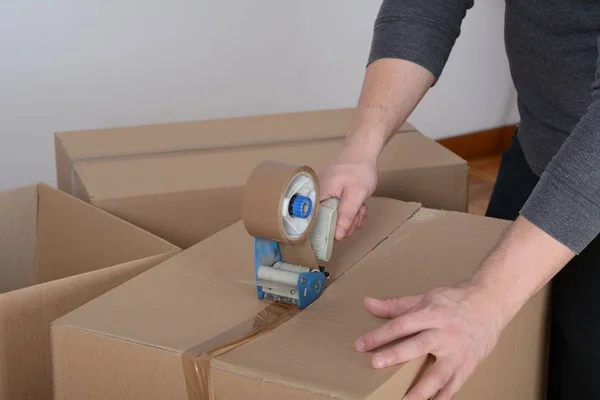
x,y
69,64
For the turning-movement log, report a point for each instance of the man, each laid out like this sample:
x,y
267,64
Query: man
x,y
548,183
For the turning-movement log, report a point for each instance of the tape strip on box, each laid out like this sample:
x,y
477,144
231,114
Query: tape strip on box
x,y
196,360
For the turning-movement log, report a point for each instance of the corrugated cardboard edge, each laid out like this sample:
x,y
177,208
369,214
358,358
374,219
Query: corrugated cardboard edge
x,y
63,165
18,227
427,214
68,179
401,383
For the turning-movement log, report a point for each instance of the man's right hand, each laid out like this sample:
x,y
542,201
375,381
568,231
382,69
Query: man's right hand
x,y
391,90
352,178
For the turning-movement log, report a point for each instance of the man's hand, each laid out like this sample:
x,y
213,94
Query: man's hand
x,y
352,178
391,90
458,325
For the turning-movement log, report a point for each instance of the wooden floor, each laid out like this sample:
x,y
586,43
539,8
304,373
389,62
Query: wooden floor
x,y
483,151
482,176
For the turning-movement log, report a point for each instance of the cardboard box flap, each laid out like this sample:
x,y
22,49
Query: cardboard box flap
x,y
314,351
207,134
144,176
195,296
74,238
26,365
18,226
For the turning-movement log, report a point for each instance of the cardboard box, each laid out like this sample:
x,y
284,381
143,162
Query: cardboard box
x,y
184,181
188,327
56,253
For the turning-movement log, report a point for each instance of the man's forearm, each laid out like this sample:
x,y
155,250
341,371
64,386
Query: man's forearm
x,y
391,90
560,218
524,260
412,40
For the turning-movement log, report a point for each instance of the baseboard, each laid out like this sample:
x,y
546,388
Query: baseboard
x,y
480,144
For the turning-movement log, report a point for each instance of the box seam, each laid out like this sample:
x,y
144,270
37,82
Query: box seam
x,y
417,209
98,199
212,148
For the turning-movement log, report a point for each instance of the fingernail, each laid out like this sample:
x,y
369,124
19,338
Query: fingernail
x,y
371,301
379,361
360,345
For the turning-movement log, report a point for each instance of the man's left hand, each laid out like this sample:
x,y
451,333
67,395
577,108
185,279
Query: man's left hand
x,y
458,325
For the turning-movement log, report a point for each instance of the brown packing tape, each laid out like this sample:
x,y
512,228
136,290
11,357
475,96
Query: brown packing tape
x,y
299,254
261,209
196,360
263,197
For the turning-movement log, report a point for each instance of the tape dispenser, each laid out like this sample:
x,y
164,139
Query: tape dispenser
x,y
293,232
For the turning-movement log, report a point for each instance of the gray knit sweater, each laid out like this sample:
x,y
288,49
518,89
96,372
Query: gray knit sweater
x,y
552,47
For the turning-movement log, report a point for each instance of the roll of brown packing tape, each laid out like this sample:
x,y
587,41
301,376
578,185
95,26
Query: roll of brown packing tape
x,y
267,190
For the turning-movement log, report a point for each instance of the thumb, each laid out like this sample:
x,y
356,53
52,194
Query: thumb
x,y
350,203
392,307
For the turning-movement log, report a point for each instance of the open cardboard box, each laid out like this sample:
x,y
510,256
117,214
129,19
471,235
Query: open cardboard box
x,y
57,253
188,329
184,181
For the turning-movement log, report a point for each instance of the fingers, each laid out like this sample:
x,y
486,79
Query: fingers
x,y
353,226
450,390
397,328
410,349
359,220
350,204
361,217
392,307
435,379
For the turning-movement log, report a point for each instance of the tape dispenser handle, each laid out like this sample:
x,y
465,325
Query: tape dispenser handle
x,y
322,236
332,202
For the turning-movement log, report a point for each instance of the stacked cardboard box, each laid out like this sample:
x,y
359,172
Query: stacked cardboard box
x,y
57,253
189,329
183,181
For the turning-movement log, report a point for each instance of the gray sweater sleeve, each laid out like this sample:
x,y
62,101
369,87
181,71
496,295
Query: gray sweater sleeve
x,y
566,201
420,31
